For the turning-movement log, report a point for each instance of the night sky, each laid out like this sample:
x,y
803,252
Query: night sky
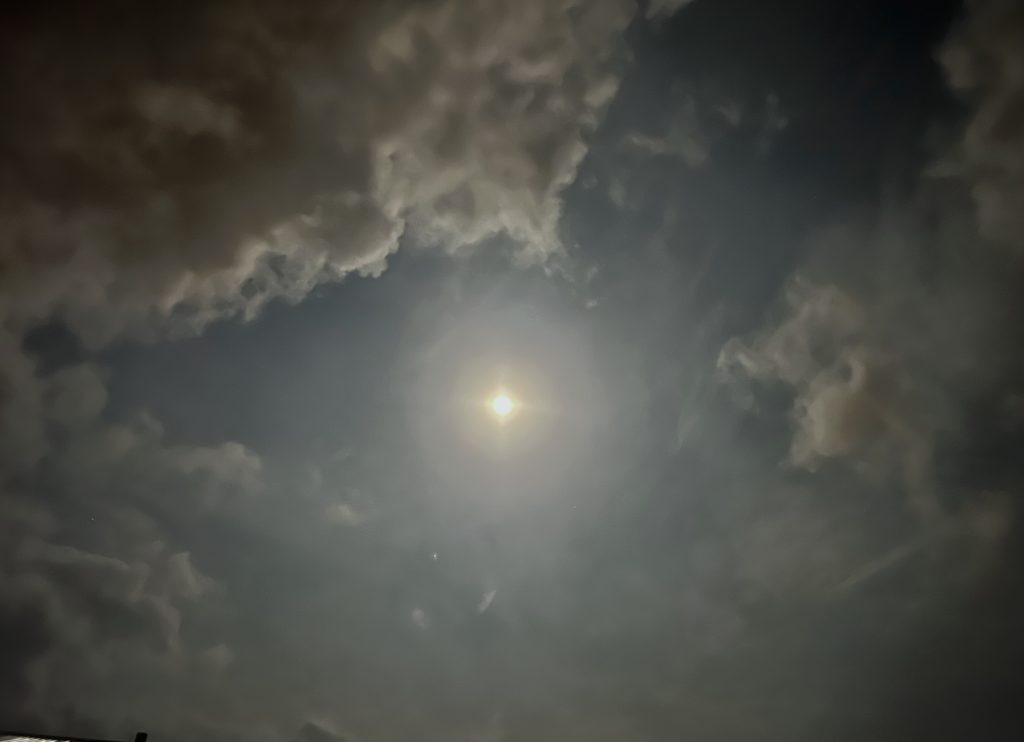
x,y
749,271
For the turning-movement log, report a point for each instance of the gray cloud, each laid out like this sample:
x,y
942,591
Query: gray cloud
x,y
78,393
172,184
848,393
315,733
22,425
658,9
686,139
89,578
107,625
884,366
984,63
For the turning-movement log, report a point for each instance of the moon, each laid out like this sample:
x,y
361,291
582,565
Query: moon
x,y
502,405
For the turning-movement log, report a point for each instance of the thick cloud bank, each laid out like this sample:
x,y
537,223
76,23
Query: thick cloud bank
x,y
169,167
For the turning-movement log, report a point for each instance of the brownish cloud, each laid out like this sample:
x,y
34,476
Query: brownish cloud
x,y
150,181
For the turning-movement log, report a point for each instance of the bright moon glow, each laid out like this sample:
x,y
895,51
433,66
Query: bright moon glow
x,y
502,405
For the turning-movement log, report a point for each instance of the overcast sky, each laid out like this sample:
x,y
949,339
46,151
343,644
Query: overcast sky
x,y
750,272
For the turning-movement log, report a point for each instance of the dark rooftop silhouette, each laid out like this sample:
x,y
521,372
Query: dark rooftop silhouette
x,y
26,737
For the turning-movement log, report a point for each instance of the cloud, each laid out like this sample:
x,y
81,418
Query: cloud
x,y
984,62
343,514
150,183
78,395
218,657
686,139
90,580
420,618
851,397
184,580
659,9
315,733
485,601
106,625
22,424
885,364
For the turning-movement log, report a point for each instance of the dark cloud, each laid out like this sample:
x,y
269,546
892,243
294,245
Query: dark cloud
x,y
887,354
22,425
314,733
78,395
984,61
868,350
849,397
89,579
657,9
150,180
